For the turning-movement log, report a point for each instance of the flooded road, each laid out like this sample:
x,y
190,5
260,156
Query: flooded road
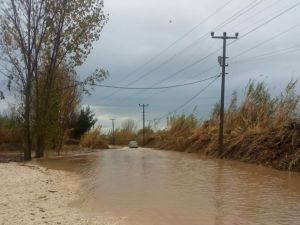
x,y
152,187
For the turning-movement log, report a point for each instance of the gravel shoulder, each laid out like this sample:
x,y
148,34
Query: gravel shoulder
x,y
30,194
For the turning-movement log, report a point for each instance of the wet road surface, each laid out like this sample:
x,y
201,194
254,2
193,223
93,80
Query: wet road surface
x,y
152,187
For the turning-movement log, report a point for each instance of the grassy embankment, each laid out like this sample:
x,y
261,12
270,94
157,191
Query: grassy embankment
x,y
261,130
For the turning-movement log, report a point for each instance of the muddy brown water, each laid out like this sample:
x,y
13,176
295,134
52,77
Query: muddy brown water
x,y
152,187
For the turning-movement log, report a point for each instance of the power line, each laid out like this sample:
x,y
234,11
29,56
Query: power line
x,y
180,38
154,88
270,54
195,96
273,37
267,40
251,31
254,16
77,83
174,43
191,83
229,20
258,57
268,21
232,18
281,51
192,98
199,74
248,33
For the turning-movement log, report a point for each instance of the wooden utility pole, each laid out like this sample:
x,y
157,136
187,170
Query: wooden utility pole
x,y
222,61
143,105
113,130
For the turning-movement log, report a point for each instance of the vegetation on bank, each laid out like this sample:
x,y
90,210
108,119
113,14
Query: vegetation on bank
x,y
58,134
94,139
261,130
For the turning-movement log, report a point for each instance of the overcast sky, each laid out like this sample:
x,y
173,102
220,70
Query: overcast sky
x,y
141,30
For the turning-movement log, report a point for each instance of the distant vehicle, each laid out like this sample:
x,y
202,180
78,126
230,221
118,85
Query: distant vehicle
x,y
133,144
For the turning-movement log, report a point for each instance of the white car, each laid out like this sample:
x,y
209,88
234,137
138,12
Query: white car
x,y
133,144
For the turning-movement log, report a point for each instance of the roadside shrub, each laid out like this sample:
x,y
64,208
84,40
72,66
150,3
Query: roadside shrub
x,y
93,139
10,130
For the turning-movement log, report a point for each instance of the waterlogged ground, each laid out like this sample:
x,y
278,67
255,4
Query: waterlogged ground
x,y
151,187
32,195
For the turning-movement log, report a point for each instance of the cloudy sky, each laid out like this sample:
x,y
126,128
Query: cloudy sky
x,y
152,43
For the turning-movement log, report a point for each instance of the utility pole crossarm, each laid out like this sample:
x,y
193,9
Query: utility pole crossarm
x,y
224,36
222,62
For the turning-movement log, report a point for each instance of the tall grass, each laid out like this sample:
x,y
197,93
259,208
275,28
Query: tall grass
x,y
179,128
262,129
93,139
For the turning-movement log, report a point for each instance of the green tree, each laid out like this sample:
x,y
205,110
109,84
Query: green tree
x,y
50,133
83,123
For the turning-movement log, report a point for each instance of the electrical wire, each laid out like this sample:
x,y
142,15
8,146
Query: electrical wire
x,y
173,44
155,88
267,40
199,74
178,40
251,31
268,21
269,54
229,20
258,57
196,95
250,18
264,42
232,18
248,33
192,98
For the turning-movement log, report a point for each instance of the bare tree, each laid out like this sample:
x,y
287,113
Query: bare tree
x,y
23,29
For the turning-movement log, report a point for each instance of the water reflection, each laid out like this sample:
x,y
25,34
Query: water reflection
x,y
168,188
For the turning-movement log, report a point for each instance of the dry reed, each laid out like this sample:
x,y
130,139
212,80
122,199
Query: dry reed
x,y
261,130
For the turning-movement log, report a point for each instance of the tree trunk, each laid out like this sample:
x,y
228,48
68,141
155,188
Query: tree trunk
x,y
27,149
40,137
40,148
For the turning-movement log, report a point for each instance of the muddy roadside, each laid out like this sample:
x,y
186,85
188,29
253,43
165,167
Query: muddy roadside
x,y
31,194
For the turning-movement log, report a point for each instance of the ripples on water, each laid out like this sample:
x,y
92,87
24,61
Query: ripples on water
x,y
169,188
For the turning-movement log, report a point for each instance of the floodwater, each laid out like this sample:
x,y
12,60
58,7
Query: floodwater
x,y
151,187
